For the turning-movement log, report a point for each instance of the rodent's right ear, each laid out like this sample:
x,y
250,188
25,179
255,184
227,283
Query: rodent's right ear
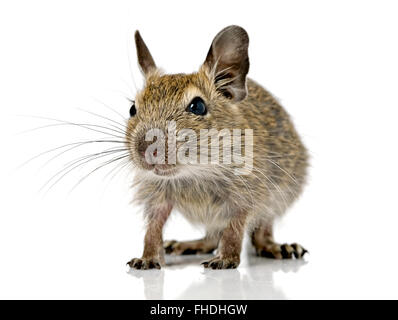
x,y
145,60
228,62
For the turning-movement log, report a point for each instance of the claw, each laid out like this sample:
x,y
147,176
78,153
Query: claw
x,y
284,251
287,251
220,263
143,264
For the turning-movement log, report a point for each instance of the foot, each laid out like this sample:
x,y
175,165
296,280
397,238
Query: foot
x,y
280,251
221,263
202,246
144,264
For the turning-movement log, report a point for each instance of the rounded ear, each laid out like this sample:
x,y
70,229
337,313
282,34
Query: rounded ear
x,y
145,60
228,62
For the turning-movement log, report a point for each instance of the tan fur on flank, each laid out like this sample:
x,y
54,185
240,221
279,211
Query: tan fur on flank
x,y
209,194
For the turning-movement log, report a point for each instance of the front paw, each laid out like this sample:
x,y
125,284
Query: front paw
x,y
222,263
144,263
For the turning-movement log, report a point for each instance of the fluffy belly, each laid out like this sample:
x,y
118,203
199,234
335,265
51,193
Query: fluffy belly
x,y
213,218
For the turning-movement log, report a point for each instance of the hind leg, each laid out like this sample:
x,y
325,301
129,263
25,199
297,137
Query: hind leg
x,y
201,246
263,242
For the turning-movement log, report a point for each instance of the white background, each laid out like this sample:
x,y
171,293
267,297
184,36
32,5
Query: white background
x,y
332,64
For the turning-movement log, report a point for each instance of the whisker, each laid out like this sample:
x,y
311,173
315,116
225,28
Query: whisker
x,y
104,152
87,126
98,168
117,170
127,162
276,188
250,191
67,145
110,108
283,170
123,126
70,149
74,165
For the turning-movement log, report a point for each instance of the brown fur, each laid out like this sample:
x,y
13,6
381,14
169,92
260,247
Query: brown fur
x,y
225,203
205,245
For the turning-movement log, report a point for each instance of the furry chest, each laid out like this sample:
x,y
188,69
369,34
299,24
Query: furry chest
x,y
205,208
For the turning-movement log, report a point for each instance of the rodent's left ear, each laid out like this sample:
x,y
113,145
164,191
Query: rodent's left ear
x,y
145,60
228,62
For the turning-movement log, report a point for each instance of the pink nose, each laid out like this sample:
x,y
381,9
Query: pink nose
x,y
155,153
142,147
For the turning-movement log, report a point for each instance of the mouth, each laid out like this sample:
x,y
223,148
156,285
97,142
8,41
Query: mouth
x,y
165,170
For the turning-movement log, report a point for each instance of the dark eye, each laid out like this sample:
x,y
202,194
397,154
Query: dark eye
x,y
133,111
197,106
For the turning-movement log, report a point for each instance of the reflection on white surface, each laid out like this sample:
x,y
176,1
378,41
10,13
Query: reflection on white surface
x,y
254,279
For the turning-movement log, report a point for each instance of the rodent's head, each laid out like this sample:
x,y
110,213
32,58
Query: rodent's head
x,y
202,100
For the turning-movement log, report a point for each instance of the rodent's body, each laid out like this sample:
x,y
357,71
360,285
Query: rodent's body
x,y
280,162
219,96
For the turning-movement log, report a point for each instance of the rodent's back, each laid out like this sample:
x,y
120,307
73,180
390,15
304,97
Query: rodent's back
x,y
278,149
